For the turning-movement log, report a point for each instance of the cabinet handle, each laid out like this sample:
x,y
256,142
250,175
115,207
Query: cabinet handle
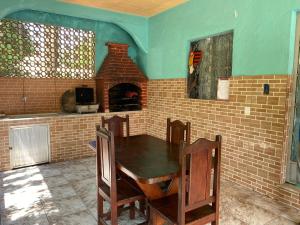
x,y
10,148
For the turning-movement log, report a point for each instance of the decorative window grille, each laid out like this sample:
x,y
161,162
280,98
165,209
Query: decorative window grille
x,y
35,50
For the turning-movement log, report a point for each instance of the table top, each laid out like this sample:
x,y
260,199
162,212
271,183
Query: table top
x,y
145,158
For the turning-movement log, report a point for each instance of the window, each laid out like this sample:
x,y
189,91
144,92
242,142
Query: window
x,y
210,59
43,51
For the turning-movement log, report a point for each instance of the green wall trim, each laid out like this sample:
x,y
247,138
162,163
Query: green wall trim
x,y
263,35
136,26
105,32
264,32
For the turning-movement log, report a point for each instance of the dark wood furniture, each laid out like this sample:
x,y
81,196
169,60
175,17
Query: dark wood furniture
x,y
148,160
116,125
118,192
194,203
177,131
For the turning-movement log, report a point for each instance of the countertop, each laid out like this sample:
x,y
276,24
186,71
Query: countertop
x,y
59,114
43,115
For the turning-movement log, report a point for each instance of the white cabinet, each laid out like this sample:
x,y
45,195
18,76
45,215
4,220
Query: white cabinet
x,y
29,145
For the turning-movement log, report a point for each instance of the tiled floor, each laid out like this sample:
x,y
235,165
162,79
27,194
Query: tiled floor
x,y
65,193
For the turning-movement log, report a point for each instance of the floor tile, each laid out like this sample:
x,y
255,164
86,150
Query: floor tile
x,y
281,221
55,181
60,192
88,161
78,175
87,190
33,214
62,207
64,193
81,218
229,220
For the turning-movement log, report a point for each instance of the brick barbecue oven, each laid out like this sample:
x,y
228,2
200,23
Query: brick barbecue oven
x,y
120,84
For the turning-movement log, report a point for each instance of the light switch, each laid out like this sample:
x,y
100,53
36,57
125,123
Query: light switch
x,y
266,89
247,111
236,14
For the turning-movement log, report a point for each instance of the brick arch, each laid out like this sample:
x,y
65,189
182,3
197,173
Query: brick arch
x,y
112,84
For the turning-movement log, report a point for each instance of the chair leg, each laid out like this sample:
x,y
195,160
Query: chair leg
x,y
132,210
155,218
142,204
152,217
99,208
114,215
147,210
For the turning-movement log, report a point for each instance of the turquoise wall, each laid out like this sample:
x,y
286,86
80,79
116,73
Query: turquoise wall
x,y
263,32
263,35
104,31
136,26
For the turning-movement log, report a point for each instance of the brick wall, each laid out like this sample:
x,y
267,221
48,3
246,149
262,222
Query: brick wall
x,y
11,93
252,151
254,147
42,95
69,135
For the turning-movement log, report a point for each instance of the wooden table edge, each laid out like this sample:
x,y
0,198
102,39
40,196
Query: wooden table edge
x,y
143,180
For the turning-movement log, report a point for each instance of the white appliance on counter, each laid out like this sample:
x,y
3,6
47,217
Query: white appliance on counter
x,y
29,145
85,100
87,108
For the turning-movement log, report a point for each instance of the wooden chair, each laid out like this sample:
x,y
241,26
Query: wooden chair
x,y
116,192
116,125
177,132
195,205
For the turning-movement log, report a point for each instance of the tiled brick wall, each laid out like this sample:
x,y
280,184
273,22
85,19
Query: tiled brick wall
x,y
42,95
69,135
252,145
11,93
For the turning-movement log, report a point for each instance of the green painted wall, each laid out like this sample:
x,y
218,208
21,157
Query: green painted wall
x,y
104,31
263,35
263,32
136,26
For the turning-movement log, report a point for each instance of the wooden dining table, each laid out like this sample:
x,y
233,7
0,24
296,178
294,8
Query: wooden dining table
x,y
149,161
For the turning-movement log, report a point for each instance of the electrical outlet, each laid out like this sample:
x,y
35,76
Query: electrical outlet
x,y
247,111
24,99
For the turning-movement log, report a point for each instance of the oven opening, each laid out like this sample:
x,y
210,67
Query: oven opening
x,y
124,97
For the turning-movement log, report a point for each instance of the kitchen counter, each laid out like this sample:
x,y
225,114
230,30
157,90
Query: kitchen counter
x,y
44,115
70,133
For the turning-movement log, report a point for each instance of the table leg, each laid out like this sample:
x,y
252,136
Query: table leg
x,y
153,191
156,219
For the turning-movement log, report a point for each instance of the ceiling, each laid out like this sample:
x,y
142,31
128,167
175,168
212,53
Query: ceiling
x,y
145,8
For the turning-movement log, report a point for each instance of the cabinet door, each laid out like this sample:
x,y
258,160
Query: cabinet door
x,y
29,145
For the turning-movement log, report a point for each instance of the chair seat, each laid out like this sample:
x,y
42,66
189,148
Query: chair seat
x,y
126,193
167,207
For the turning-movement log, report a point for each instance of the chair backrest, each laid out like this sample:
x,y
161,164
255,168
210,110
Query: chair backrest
x,y
105,157
177,132
195,191
116,125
